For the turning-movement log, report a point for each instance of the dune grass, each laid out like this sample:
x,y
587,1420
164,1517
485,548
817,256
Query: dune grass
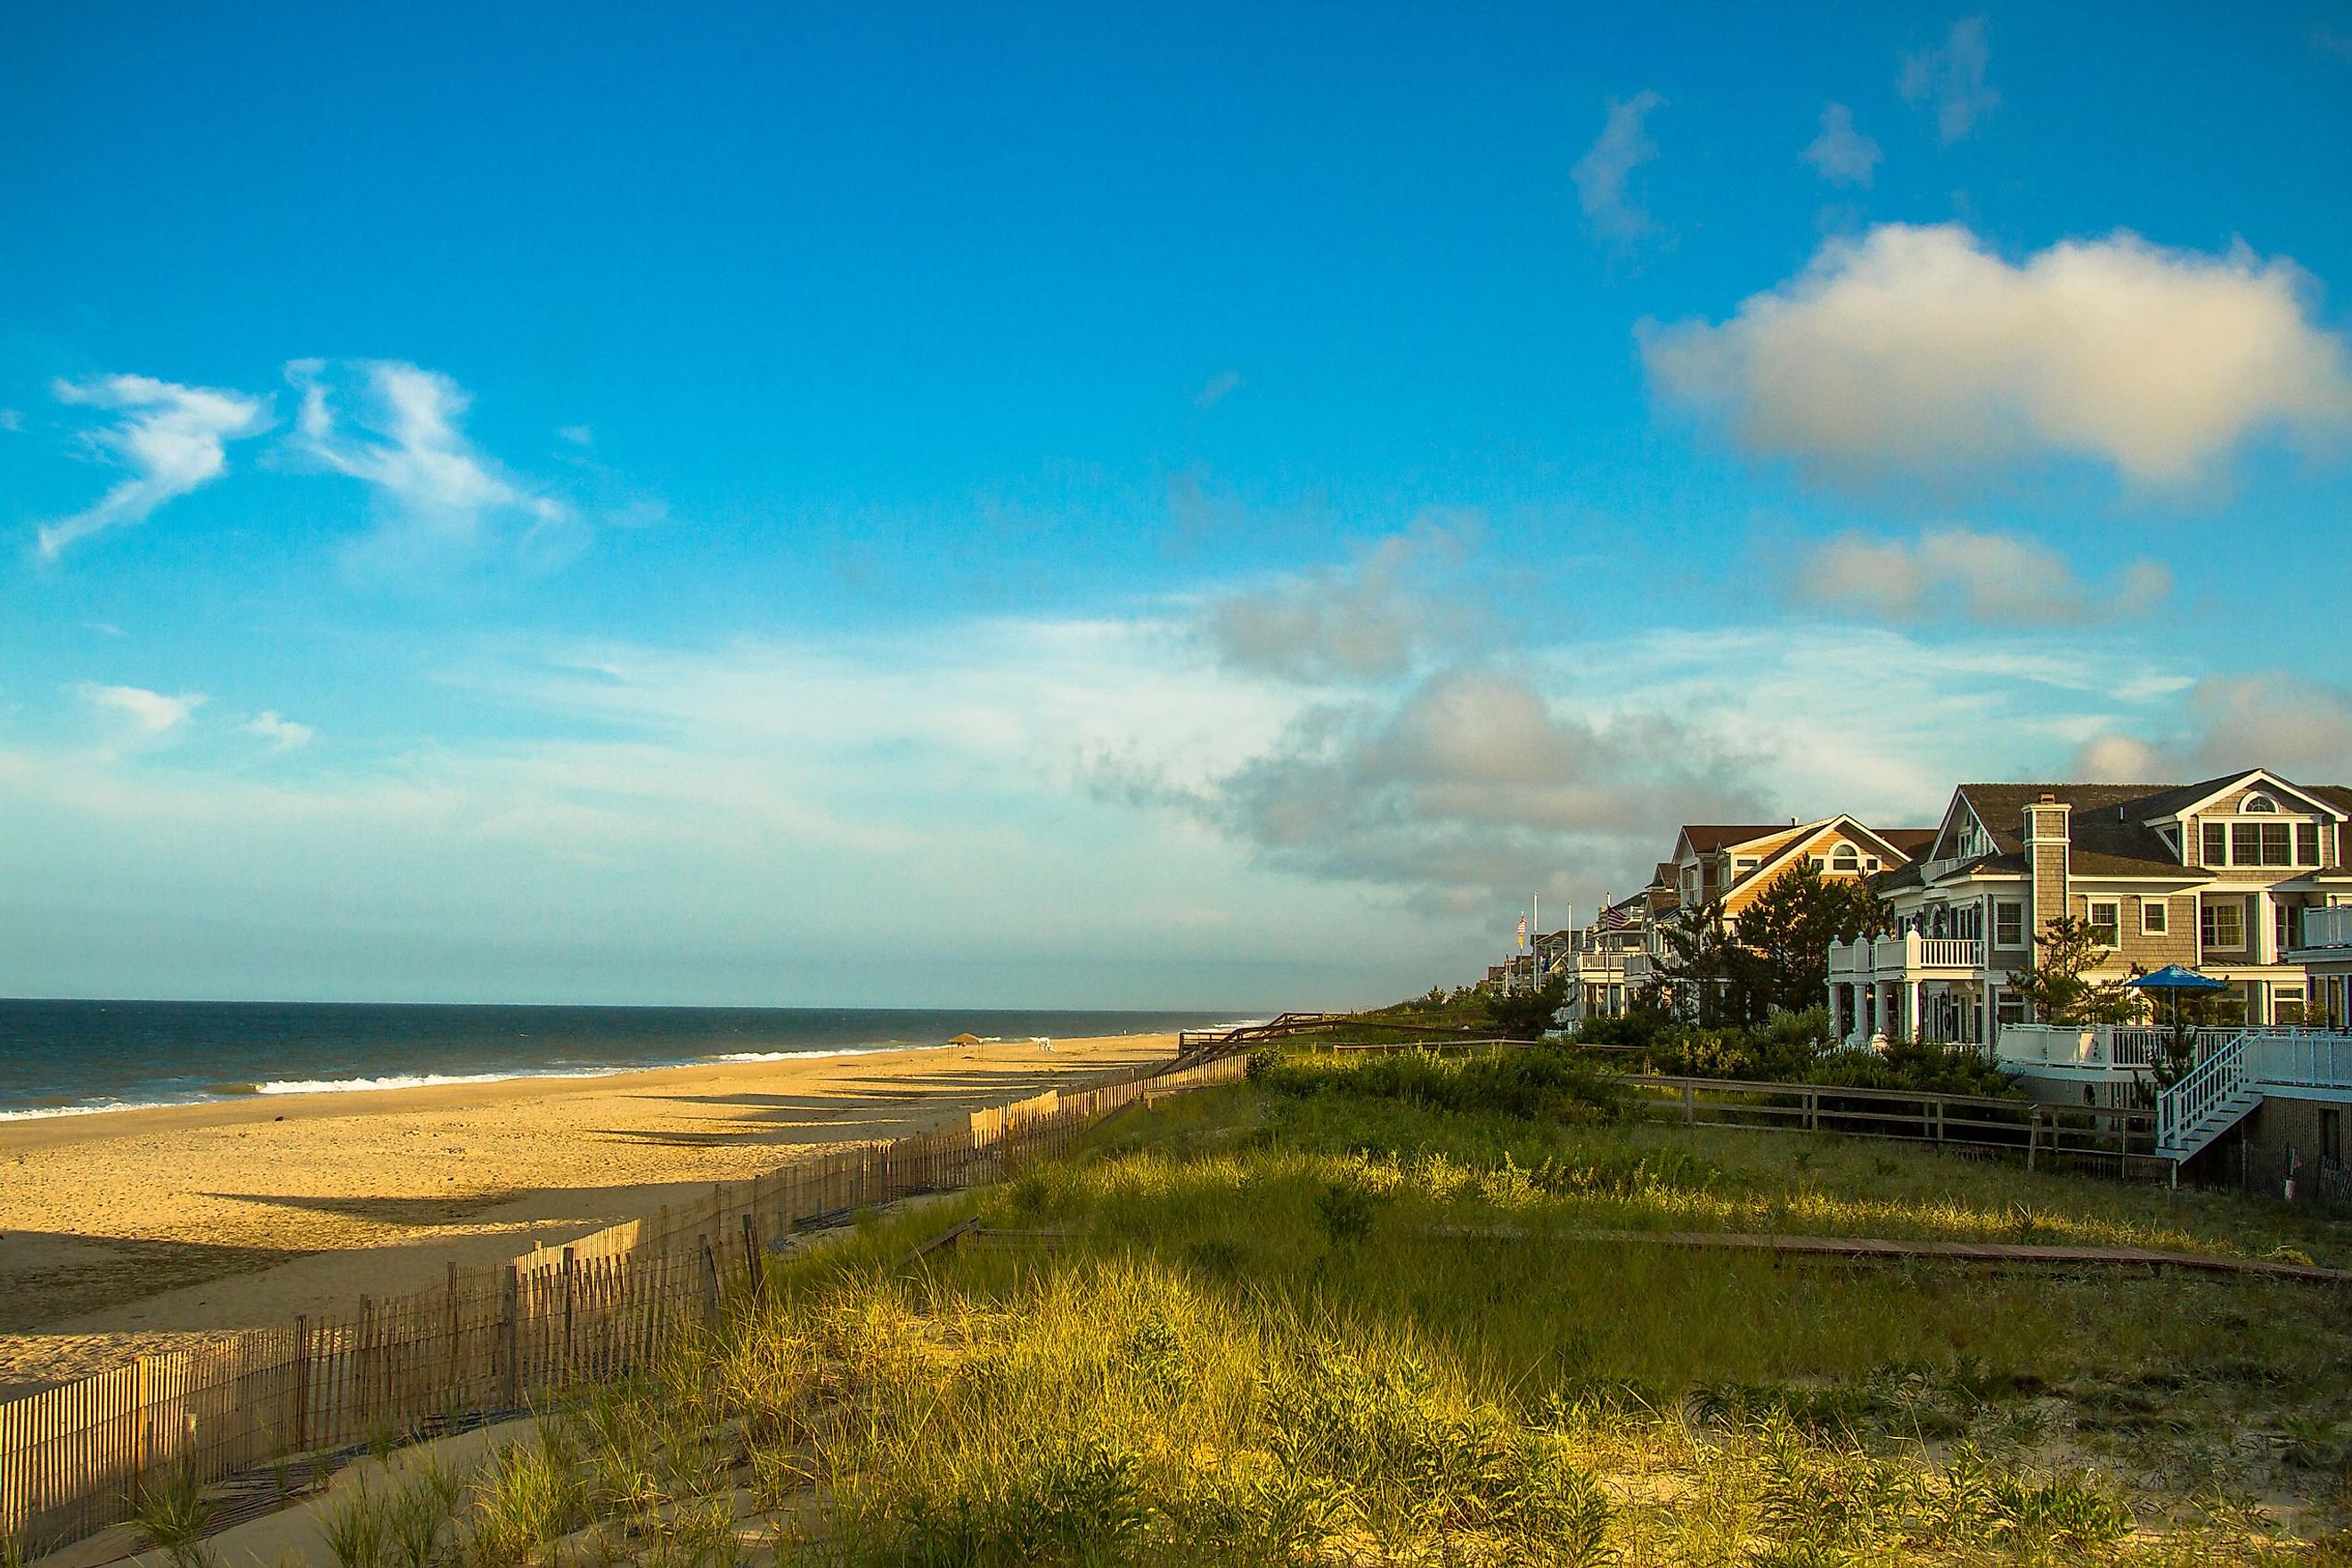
x,y
1258,1326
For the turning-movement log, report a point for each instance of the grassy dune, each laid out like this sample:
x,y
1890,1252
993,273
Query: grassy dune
x,y
1259,1326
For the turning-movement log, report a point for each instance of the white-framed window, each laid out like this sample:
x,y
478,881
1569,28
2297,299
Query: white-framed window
x,y
1847,859
2257,805
2261,843
1871,864
2287,1003
2282,928
2008,924
1742,866
2154,917
2221,924
2107,922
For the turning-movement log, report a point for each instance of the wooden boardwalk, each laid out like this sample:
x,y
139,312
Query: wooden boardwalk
x,y
1884,1248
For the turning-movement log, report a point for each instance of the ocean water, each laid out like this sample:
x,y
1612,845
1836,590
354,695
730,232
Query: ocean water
x,y
63,1059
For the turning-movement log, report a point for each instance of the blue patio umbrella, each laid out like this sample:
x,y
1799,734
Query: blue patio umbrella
x,y
2175,979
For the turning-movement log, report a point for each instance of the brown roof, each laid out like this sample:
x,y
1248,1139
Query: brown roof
x,y
2105,828
1707,839
1912,842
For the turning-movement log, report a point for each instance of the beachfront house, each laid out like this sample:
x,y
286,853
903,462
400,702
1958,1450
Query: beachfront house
x,y
2210,876
1619,956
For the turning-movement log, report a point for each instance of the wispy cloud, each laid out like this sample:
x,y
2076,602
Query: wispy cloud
x,y
150,715
1370,620
405,436
1602,174
1842,154
1217,388
283,734
1959,574
1952,79
11,420
1919,350
171,438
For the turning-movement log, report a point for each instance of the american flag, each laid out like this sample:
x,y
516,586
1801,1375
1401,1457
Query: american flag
x,y
1612,917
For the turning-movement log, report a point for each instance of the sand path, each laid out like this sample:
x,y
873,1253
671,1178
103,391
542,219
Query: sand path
x,y
133,1230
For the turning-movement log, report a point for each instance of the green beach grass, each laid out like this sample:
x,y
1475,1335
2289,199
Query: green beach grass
x,y
1335,1316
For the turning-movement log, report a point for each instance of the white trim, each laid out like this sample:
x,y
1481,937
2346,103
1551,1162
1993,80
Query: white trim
x,y
2240,785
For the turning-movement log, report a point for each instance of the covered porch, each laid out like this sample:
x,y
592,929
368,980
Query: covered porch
x,y
1909,986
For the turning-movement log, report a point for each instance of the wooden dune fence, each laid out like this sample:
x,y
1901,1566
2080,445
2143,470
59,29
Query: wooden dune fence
x,y
485,1340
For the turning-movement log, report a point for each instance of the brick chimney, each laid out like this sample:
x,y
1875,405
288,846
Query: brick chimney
x,y
2048,856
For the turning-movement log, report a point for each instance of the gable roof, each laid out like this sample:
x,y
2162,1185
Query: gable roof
x,y
1911,843
2189,797
2111,827
1705,839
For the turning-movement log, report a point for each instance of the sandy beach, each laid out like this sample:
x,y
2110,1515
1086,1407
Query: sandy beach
x,y
136,1230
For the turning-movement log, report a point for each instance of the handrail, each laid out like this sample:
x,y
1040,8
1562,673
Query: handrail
x,y
2220,1078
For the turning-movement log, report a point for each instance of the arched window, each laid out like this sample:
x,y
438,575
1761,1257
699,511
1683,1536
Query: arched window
x,y
1847,858
2254,805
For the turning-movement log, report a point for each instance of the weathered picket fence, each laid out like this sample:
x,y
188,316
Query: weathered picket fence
x,y
485,1340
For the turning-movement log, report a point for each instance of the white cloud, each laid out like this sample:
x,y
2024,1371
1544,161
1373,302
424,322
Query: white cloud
x,y
11,420
171,438
1601,175
2272,719
1959,574
1217,388
283,734
1473,787
149,714
420,458
1952,78
1370,620
1843,155
578,435
1919,350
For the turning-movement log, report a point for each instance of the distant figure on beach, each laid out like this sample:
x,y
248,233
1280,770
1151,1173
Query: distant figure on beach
x,y
1041,1042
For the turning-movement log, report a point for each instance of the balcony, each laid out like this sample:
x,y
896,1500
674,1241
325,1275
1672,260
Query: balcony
x,y
1906,957
1629,966
2327,927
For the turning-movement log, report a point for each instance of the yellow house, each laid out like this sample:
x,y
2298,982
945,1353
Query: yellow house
x,y
1734,863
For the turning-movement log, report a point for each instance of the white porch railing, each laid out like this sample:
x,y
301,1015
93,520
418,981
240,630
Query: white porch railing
x,y
2299,1058
2096,1044
2327,927
1895,957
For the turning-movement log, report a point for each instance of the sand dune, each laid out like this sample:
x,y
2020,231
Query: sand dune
x,y
136,1230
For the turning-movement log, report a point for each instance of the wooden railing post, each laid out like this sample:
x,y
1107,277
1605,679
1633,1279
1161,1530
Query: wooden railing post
x,y
570,1285
511,1336
1690,1105
302,1383
753,1262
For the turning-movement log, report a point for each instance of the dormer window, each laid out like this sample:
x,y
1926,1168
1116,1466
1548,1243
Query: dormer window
x,y
2258,806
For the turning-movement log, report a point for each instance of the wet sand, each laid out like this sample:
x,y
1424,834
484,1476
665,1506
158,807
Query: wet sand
x,y
135,1230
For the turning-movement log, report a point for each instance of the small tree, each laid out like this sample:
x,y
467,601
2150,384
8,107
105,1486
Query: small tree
x,y
1526,1015
1704,963
1785,936
2054,987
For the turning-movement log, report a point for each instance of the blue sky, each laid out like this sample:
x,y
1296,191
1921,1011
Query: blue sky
x,y
931,506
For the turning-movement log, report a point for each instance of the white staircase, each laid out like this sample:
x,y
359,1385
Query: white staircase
x,y
2207,1103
